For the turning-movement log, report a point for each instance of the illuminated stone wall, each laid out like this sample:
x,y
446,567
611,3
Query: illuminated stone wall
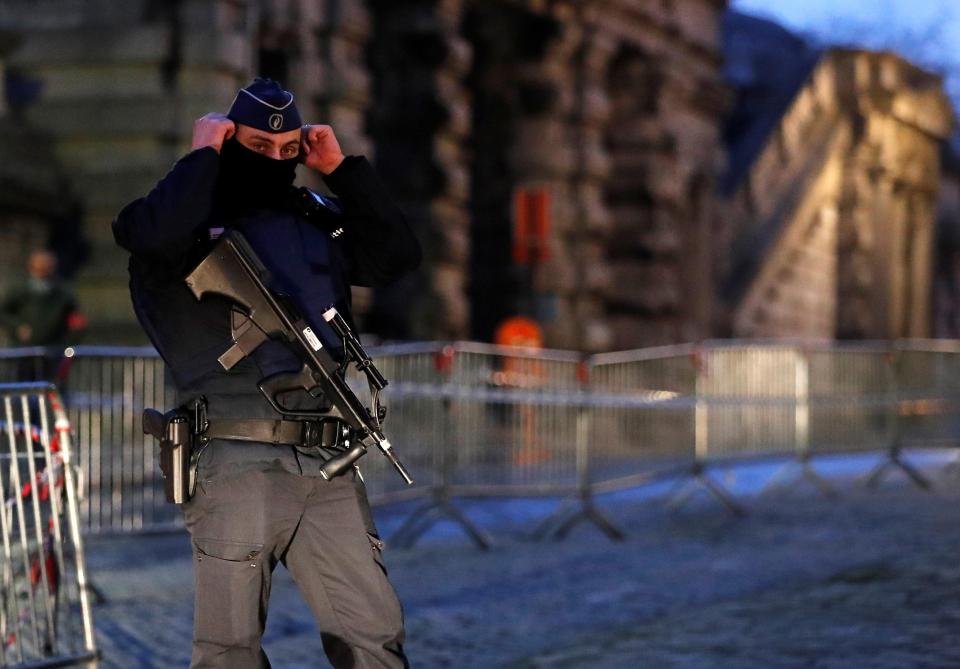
x,y
832,228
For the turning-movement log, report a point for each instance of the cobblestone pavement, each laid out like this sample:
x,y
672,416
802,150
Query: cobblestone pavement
x,y
871,580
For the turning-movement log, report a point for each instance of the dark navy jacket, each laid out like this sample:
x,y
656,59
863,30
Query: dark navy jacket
x,y
169,231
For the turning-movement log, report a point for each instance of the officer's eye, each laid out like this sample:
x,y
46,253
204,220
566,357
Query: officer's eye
x,y
289,151
260,146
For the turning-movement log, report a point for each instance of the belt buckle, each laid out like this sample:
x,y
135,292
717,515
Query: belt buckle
x,y
312,433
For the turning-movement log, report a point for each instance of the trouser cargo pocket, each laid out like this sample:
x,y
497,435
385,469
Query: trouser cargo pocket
x,y
231,551
229,594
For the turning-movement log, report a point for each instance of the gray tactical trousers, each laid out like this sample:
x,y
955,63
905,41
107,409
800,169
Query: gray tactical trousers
x,y
243,520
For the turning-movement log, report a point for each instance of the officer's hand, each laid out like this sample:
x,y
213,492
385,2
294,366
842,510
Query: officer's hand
x,y
211,130
319,149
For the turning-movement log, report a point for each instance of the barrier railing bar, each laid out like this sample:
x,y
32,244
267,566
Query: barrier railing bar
x,y
16,488
640,479
54,466
6,522
639,354
50,641
62,427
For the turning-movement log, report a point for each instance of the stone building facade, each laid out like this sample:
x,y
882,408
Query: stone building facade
x,y
831,204
120,85
37,206
611,107
614,109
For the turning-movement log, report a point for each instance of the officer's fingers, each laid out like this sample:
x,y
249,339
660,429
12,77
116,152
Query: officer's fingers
x,y
201,133
317,133
229,129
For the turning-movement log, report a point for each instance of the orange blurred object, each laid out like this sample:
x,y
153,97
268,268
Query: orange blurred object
x,y
521,372
531,223
519,331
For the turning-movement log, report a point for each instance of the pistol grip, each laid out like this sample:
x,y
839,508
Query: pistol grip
x,y
338,464
154,423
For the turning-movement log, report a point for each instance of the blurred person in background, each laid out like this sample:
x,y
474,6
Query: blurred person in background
x,y
260,501
42,311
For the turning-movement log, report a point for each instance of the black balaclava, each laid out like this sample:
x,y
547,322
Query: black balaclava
x,y
248,180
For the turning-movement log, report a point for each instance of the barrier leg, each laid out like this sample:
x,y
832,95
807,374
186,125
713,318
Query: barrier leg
x,y
548,526
700,480
432,512
894,460
399,536
589,512
558,524
806,472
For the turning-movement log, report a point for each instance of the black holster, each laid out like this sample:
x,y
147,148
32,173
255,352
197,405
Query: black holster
x,y
176,435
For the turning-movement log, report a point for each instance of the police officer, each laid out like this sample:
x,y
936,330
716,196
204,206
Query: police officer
x,y
259,498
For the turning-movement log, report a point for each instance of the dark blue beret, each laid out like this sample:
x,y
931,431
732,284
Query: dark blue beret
x,y
266,106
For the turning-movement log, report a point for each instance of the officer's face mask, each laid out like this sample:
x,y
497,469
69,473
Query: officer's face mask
x,y
248,179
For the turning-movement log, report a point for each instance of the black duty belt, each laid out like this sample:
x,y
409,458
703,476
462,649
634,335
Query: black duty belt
x,y
325,433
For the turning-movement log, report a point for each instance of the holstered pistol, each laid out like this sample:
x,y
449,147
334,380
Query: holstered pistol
x,y
174,433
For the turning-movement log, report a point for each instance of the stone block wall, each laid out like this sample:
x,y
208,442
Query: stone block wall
x,y
120,86
665,153
419,121
832,229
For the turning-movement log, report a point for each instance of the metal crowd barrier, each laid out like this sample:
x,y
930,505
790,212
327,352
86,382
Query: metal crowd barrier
x,y
479,420
45,616
476,420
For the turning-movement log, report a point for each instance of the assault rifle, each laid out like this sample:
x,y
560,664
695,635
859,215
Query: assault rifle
x,y
233,270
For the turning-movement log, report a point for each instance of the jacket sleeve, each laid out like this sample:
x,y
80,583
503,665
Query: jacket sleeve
x,y
380,243
161,226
